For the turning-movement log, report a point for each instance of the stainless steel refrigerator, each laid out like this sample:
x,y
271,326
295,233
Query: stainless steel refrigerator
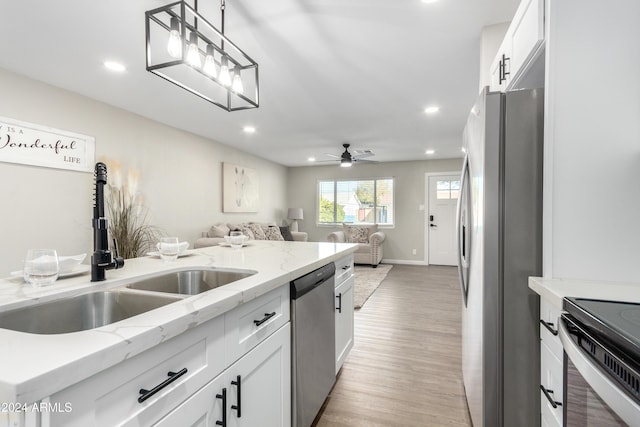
x,y
500,246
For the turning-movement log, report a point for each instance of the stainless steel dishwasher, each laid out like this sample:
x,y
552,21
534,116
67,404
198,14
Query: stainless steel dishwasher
x,y
313,361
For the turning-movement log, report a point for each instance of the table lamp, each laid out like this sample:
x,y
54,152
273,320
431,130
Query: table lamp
x,y
294,215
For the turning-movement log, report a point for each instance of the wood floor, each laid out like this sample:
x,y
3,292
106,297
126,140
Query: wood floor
x,y
404,368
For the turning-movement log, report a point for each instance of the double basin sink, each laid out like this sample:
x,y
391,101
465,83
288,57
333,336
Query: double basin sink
x,y
95,309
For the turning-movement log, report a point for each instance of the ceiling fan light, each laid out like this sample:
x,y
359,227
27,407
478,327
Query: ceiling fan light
x,y
345,163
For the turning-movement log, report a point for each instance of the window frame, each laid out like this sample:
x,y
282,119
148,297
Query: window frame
x,y
375,206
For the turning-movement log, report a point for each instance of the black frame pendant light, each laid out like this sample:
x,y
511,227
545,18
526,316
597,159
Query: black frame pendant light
x,y
190,52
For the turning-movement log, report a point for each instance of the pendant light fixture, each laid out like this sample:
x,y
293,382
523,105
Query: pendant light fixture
x,y
183,47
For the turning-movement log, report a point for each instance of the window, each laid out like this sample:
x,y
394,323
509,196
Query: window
x,y
358,201
447,189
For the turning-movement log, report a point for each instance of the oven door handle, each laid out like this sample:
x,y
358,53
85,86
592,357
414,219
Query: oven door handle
x,y
612,395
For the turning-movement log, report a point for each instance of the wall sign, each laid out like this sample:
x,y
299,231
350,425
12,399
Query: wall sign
x,y
30,144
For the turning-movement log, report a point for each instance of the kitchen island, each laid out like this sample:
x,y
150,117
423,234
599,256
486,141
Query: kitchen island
x,y
35,367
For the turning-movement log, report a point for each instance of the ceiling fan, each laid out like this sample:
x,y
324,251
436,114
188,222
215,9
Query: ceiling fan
x,y
347,159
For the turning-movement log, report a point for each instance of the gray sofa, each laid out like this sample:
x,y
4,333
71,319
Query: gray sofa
x,y
369,241
254,230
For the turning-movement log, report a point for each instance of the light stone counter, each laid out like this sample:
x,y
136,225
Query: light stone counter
x,y
554,290
35,366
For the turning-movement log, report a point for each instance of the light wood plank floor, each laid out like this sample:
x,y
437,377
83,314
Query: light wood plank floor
x,y
404,368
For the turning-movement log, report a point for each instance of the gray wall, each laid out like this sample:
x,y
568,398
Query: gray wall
x,y
409,229
181,174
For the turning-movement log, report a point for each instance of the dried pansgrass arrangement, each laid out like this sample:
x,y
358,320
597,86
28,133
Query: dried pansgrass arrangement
x,y
127,214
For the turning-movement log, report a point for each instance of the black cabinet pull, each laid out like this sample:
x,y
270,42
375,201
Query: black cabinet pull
x,y
238,407
549,326
346,267
551,400
266,317
223,396
339,307
502,69
145,394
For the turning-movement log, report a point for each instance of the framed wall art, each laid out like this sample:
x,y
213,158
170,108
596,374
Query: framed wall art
x,y
239,189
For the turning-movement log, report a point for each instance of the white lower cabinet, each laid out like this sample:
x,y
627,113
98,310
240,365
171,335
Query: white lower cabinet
x,y
344,320
551,366
177,383
254,391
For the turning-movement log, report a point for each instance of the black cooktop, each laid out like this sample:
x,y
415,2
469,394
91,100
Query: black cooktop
x,y
617,322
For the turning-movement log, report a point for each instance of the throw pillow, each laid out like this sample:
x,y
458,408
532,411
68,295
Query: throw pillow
x,y
218,230
257,230
247,232
273,233
286,233
356,234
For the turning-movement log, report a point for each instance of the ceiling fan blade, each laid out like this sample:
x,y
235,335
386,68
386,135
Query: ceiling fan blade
x,y
364,161
333,155
363,155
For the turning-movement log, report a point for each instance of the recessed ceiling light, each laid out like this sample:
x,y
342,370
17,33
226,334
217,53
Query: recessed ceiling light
x,y
431,110
430,152
311,159
115,66
249,129
429,1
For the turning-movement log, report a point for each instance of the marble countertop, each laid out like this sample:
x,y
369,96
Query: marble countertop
x,y
554,290
35,366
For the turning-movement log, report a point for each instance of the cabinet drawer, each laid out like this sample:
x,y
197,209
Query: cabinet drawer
x,y
551,316
344,269
552,379
249,324
111,397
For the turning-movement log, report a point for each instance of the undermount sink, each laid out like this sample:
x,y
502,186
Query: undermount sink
x,y
191,282
82,312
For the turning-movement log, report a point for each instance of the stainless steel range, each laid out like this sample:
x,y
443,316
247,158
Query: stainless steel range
x,y
601,340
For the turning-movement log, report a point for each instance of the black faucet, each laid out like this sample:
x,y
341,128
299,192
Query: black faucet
x,y
101,259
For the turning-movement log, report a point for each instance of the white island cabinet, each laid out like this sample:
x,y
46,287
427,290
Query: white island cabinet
x,y
255,391
344,284
256,377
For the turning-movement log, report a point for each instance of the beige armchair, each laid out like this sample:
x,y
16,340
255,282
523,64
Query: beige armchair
x,y
369,241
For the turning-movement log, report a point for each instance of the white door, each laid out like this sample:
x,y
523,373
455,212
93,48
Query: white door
x,y
441,219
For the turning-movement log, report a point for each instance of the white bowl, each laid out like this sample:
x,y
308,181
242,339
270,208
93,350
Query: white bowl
x,y
70,262
227,239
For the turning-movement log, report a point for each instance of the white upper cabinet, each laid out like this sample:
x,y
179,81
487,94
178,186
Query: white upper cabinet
x,y
521,48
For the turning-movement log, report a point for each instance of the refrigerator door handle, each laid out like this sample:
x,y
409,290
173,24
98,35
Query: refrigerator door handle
x,y
462,229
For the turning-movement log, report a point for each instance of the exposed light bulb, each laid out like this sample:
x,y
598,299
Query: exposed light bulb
x,y
193,54
237,86
209,64
174,47
224,77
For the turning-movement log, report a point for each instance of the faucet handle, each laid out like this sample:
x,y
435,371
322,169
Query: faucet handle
x,y
117,260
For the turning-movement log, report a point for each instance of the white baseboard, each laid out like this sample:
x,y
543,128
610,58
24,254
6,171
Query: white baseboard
x,y
403,261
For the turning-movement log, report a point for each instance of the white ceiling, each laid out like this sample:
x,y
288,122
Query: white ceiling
x,y
331,71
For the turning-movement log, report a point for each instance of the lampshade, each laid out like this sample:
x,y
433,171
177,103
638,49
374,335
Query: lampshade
x,y
295,213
